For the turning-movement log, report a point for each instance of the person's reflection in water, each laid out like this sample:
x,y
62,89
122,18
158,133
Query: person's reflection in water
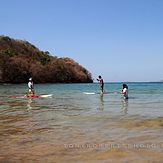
x,y
101,106
125,105
29,104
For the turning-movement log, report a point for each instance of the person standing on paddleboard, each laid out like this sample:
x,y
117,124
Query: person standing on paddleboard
x,y
101,84
31,87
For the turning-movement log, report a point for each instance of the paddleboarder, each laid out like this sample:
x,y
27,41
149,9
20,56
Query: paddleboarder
x,y
101,84
30,87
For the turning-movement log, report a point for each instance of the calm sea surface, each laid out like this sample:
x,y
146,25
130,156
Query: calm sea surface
x,y
76,127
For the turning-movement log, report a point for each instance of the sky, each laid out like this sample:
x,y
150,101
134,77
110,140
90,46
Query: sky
x,y
121,40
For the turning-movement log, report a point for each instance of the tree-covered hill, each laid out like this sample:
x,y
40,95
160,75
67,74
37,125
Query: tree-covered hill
x,y
20,60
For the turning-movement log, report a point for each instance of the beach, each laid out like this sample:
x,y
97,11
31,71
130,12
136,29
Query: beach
x,y
73,126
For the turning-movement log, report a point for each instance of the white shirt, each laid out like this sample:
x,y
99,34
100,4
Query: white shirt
x,y
30,85
125,92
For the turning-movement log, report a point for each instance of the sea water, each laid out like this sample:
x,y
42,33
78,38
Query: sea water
x,y
77,124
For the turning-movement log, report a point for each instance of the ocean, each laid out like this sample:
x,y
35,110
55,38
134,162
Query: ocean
x,y
78,125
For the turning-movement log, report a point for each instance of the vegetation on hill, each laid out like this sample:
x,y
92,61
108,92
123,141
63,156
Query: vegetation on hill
x,y
20,60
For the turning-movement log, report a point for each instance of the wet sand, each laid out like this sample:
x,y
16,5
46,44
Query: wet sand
x,y
24,139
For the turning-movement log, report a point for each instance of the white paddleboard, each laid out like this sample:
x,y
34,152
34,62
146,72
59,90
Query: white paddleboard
x,y
45,96
89,93
35,96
